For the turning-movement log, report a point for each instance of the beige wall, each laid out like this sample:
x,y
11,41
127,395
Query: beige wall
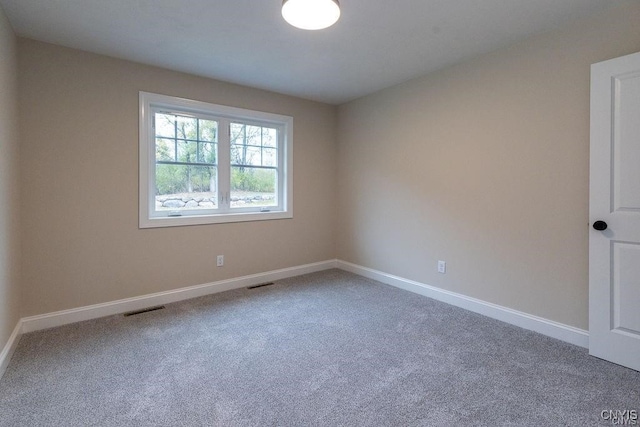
x,y
9,244
79,169
483,165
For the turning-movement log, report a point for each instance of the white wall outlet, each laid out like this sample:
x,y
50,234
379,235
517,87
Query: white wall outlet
x,y
220,260
442,267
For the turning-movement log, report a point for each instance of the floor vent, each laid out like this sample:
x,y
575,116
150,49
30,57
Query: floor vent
x,y
146,310
260,285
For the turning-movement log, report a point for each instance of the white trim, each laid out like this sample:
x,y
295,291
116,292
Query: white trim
x,y
546,327
10,347
59,318
149,218
543,326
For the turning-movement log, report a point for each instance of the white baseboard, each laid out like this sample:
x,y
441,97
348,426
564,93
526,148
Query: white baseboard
x,y
10,347
534,323
546,327
59,318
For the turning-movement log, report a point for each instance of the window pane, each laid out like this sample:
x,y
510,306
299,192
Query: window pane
x,y
165,150
253,187
269,137
165,125
245,155
187,151
269,157
207,153
236,154
181,187
254,135
187,127
208,130
237,133
252,156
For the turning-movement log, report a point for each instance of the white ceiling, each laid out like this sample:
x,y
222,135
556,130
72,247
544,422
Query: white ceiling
x,y
375,44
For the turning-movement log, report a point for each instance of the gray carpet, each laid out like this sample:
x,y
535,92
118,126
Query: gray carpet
x,y
325,349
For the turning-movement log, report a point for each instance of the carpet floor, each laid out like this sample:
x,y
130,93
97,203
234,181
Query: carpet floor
x,y
324,349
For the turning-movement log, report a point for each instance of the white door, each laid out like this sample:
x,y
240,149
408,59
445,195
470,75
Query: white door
x,y
614,253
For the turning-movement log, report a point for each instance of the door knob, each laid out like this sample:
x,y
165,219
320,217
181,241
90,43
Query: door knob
x,y
600,225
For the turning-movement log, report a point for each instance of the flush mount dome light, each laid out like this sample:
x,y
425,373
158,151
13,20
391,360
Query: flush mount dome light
x,y
311,14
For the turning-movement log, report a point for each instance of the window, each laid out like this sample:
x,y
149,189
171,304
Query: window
x,y
202,163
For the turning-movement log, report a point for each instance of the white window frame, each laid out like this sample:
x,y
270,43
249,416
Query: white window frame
x,y
150,218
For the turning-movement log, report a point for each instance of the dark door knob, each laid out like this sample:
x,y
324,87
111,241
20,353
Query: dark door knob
x,y
600,225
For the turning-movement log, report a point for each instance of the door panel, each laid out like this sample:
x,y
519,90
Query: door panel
x,y
626,288
614,253
626,155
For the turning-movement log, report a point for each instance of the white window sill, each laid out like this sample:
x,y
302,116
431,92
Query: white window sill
x,y
177,221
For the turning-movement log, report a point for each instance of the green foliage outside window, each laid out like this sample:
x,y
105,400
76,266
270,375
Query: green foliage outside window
x,y
176,179
185,140
189,140
253,180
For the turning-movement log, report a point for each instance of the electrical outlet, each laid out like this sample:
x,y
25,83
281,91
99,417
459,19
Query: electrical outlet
x,y
220,260
442,267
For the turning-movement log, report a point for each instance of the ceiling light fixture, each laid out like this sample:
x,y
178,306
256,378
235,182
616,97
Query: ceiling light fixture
x,y
311,14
